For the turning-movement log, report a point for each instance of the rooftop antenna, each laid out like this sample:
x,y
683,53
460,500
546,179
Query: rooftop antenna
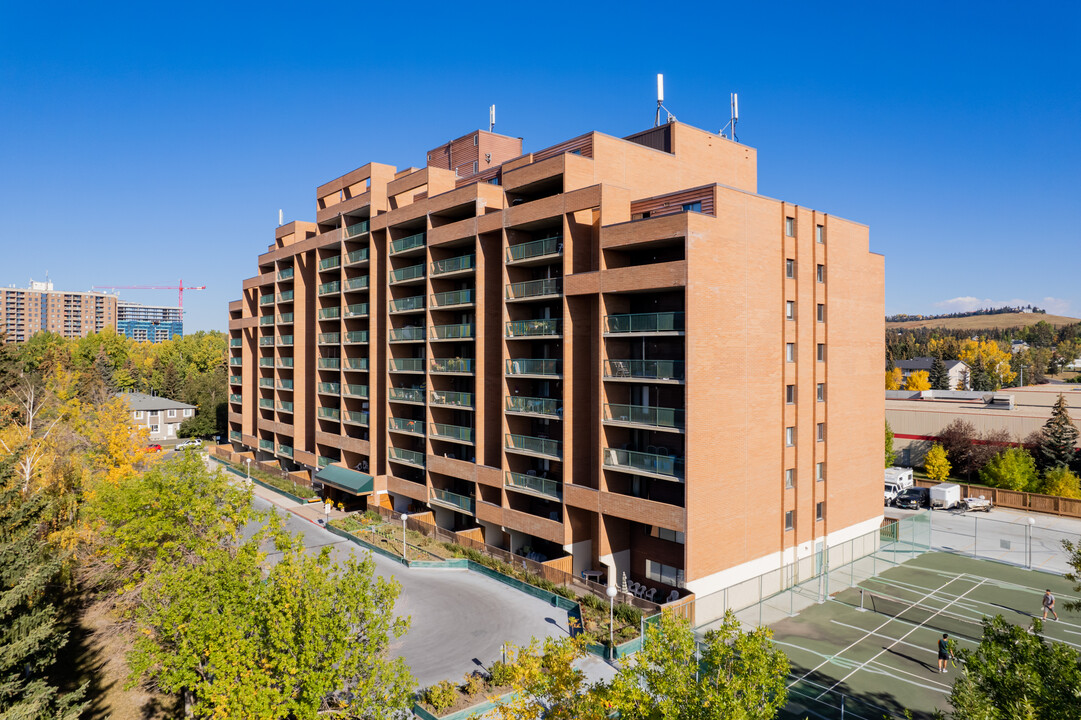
x,y
660,102
281,218
734,99
491,118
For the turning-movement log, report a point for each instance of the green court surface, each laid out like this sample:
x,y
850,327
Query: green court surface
x,y
873,663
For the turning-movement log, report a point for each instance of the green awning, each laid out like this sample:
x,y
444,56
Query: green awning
x,y
351,481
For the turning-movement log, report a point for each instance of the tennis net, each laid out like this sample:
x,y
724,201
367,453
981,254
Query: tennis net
x,y
934,618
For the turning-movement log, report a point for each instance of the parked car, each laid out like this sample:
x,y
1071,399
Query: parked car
x,y
913,498
192,443
154,448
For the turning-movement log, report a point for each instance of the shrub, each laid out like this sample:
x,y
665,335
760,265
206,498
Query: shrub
x,y
501,673
473,683
565,592
591,601
441,695
371,516
628,614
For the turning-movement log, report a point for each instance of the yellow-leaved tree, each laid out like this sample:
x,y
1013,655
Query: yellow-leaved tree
x,y
990,358
893,379
919,380
936,463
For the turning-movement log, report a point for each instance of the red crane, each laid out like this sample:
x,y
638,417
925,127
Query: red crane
x,y
181,287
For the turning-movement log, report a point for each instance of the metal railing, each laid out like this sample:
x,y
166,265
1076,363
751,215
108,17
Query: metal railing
x,y
286,318
356,417
284,384
285,407
357,283
237,342
329,388
644,369
407,243
286,450
285,274
330,363
267,445
407,273
356,310
538,485
414,427
535,328
356,364
654,416
236,362
330,338
644,322
330,288
406,394
406,365
534,288
451,432
331,413
352,231
536,248
264,382
234,435
236,380
265,320
285,362
354,337
235,398
263,362
360,391
357,256
330,313
446,497
454,264
452,298
406,334
265,341
452,365
285,340
534,405
266,403
286,296
323,461
454,399
463,331
539,446
330,263
266,299
415,302
534,367
634,460
409,457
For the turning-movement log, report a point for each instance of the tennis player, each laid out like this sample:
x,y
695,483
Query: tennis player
x,y
943,652
1049,605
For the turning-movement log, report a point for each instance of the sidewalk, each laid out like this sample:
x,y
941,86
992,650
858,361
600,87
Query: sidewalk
x,y
308,511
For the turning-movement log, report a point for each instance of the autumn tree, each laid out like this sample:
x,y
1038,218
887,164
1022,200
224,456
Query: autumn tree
x,y
1060,481
891,456
1011,469
893,379
989,362
936,464
939,377
958,440
1058,438
918,380
547,685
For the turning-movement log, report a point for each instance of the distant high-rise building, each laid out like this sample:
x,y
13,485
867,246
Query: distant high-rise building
x,y
24,312
149,323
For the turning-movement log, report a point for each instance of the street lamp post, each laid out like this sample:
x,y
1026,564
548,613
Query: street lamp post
x,y
611,591
1028,540
404,546
247,461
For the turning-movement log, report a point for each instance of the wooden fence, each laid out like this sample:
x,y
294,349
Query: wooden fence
x,y
1015,499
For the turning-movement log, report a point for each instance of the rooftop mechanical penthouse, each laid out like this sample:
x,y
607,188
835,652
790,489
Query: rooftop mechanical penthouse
x,y
611,353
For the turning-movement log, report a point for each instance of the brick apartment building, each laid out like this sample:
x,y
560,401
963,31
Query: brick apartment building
x,y
612,350
24,312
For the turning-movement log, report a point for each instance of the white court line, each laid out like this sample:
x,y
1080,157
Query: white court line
x,y
891,672
869,633
914,646
974,587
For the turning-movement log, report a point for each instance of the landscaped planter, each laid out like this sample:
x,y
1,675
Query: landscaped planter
x,y
483,706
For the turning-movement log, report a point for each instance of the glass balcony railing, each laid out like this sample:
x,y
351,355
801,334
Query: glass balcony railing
x,y
532,483
653,416
357,283
356,310
537,248
406,334
457,433
237,342
234,435
234,398
534,405
263,362
633,461
285,340
330,338
357,256
237,362
534,367
330,313
407,243
329,413
452,399
286,318
452,298
644,369
267,445
266,299
445,497
266,403
356,337
330,288
405,304
265,341
356,418
452,332
284,384
323,461
452,365
644,323
285,362
356,364
415,365
409,457
541,327
266,382
329,388
330,263
286,450
535,445
534,288
266,320
330,363
406,394
285,274
286,407
235,380
454,264
407,273
358,391
356,230
286,296
415,427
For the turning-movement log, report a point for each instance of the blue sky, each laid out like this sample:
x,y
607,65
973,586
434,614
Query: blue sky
x,y
144,143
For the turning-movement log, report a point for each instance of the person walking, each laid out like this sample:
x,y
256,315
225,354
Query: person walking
x,y
1049,605
943,652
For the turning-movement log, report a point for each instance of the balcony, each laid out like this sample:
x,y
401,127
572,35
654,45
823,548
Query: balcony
x,y
405,244
285,407
263,362
360,364
322,461
539,447
548,407
285,362
644,323
357,391
632,461
539,328
357,283
234,398
330,288
453,501
266,299
453,433
356,257
267,403
285,274
406,334
327,388
356,310
452,332
408,457
330,363
235,380
407,274
408,304
330,338
263,321
406,365
669,370
353,417
454,366
329,413
534,289
352,231
403,425
285,340
535,250
330,263
286,296
459,264
330,313
284,384
237,342
286,318
409,395
653,417
533,485
266,382
267,445
451,399
286,450
234,436
537,368
236,362
452,299
356,337
266,341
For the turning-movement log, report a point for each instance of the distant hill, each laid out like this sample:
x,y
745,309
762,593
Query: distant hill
x,y
985,322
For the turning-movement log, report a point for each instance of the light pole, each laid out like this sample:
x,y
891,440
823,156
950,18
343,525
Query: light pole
x,y
1028,540
247,461
611,592
404,518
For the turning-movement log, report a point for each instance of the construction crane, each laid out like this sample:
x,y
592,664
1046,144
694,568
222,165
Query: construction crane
x,y
181,287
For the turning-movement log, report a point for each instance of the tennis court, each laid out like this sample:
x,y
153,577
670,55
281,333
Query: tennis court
x,y
864,663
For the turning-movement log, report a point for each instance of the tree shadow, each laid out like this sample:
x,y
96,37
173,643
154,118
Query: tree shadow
x,y
80,662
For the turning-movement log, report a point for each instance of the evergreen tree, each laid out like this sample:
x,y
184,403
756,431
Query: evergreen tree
x,y
1058,438
939,377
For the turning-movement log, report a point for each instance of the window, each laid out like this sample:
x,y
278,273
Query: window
x,y
138,414
669,535
172,413
790,394
790,268
476,140
820,233
790,436
790,309
789,520
790,227
154,429
153,414
790,478
820,273
821,352
820,471
663,573
187,412
692,207
820,511
821,312
821,431
790,352
820,392
475,168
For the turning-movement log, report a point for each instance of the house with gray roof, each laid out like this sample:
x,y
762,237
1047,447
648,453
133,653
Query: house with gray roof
x,y
160,416
957,370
